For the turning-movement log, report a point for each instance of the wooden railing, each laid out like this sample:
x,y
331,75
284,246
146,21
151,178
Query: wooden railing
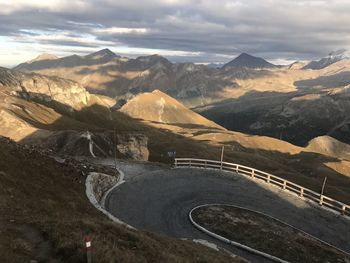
x,y
301,191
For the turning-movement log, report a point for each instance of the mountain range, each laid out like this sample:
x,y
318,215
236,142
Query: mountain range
x,y
47,61
247,94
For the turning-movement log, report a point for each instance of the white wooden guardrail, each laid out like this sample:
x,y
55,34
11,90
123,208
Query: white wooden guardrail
x,y
306,193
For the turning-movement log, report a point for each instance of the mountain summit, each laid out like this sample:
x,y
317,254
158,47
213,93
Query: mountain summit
x,y
245,60
332,58
103,53
44,56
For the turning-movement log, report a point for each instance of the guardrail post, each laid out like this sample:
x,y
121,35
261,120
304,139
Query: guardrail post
x,y
222,156
343,210
268,179
284,185
253,173
301,192
321,199
175,162
237,168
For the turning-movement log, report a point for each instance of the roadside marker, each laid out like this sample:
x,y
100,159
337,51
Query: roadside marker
x,y
88,249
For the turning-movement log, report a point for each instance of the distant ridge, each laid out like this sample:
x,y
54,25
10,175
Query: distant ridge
x,y
46,61
332,58
296,65
245,60
103,53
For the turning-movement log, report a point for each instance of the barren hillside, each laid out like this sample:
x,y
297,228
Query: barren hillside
x,y
329,146
157,106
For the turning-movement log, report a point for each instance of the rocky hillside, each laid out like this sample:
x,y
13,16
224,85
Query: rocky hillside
x,y
296,117
43,89
52,113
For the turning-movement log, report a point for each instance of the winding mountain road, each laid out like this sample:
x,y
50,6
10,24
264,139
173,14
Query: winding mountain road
x,y
158,199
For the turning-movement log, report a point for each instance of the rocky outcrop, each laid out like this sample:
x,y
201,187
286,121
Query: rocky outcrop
x,y
101,183
133,146
74,143
43,89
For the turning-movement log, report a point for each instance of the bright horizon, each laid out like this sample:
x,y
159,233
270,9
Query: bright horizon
x,y
183,31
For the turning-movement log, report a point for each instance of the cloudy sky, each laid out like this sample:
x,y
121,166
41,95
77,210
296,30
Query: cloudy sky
x,y
182,30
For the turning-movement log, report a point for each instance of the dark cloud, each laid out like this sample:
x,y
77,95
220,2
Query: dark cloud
x,y
274,29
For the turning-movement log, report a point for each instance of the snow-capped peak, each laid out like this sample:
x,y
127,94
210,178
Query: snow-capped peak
x,y
339,54
332,57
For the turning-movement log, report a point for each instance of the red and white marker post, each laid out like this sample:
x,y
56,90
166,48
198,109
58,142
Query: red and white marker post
x,y
88,249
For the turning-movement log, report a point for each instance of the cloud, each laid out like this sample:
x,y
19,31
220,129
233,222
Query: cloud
x,y
10,7
201,30
120,30
59,37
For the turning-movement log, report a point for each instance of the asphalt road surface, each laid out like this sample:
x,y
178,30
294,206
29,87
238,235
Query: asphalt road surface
x,y
158,199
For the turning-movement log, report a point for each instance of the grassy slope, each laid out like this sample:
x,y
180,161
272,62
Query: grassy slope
x,y
45,215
